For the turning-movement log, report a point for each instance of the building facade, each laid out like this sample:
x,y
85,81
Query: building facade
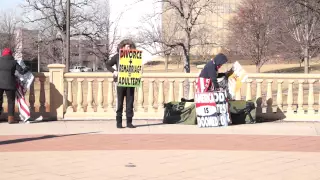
x,y
33,50
212,25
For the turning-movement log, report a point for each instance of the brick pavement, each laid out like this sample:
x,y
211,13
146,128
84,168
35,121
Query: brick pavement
x,y
74,142
96,150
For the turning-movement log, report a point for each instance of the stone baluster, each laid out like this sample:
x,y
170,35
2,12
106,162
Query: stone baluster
x,y
290,97
279,95
32,98
238,95
259,90
100,95
181,89
259,96
269,99
42,98
311,97
161,96
90,96
140,97
70,95
110,95
300,97
80,96
249,92
151,96
191,88
171,90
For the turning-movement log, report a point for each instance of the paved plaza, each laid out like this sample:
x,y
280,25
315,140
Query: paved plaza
x,y
96,150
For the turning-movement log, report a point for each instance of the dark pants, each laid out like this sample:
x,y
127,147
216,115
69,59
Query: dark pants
x,y
127,92
11,96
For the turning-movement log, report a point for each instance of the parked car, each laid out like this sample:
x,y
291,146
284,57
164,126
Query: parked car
x,y
80,69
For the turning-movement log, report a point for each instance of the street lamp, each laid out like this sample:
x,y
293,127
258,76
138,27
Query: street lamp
x,y
68,37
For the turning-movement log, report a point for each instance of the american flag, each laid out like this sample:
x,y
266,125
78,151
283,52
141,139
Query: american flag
x,y
203,85
22,104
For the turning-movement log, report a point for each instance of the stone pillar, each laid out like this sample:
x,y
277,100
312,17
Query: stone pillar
x,y
56,73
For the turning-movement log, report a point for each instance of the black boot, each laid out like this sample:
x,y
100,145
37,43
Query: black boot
x,y
129,123
119,122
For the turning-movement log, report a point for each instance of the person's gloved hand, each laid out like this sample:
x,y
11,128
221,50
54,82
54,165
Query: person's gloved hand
x,y
27,68
229,72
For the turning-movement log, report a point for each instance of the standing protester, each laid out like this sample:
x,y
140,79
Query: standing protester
x,y
8,67
122,92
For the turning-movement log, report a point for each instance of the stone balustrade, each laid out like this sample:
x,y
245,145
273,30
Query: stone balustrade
x,y
89,96
37,98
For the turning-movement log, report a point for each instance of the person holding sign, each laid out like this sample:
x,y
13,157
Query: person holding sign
x,y
122,91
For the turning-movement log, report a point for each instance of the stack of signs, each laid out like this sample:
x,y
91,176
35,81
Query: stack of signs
x,y
238,77
212,109
130,68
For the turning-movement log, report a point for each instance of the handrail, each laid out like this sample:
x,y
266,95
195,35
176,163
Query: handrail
x,y
193,75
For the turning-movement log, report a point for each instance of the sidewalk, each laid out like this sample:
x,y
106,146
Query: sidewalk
x,y
96,150
156,127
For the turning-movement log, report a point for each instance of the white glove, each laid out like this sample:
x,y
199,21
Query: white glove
x,y
115,73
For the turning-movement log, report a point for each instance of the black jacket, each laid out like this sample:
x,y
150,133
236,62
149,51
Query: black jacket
x,y
210,70
113,61
8,66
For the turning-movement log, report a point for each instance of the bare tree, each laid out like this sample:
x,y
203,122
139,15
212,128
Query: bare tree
x,y
106,35
50,16
156,38
186,18
301,21
252,30
8,25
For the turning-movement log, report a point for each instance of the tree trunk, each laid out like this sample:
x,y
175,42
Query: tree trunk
x,y
306,41
306,60
186,70
258,68
166,62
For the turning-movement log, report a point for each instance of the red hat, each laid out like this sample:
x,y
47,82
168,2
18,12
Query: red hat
x,y
6,52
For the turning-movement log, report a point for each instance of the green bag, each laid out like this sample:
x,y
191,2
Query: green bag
x,y
240,110
180,113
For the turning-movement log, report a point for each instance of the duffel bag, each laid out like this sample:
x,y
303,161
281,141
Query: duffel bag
x,y
242,112
180,113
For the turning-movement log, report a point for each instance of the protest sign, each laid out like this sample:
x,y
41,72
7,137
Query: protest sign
x,y
212,109
130,68
236,79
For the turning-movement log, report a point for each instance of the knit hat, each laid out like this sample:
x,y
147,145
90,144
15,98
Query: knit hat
x,y
6,52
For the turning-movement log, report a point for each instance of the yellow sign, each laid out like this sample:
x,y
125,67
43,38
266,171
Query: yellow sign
x,y
238,77
130,68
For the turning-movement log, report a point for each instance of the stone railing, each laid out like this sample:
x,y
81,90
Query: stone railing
x,y
284,96
93,95
38,98
88,96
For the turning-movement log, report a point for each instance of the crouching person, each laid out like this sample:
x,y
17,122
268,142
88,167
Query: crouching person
x,y
122,92
208,78
8,67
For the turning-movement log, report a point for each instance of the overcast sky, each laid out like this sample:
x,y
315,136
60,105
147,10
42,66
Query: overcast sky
x,y
129,21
